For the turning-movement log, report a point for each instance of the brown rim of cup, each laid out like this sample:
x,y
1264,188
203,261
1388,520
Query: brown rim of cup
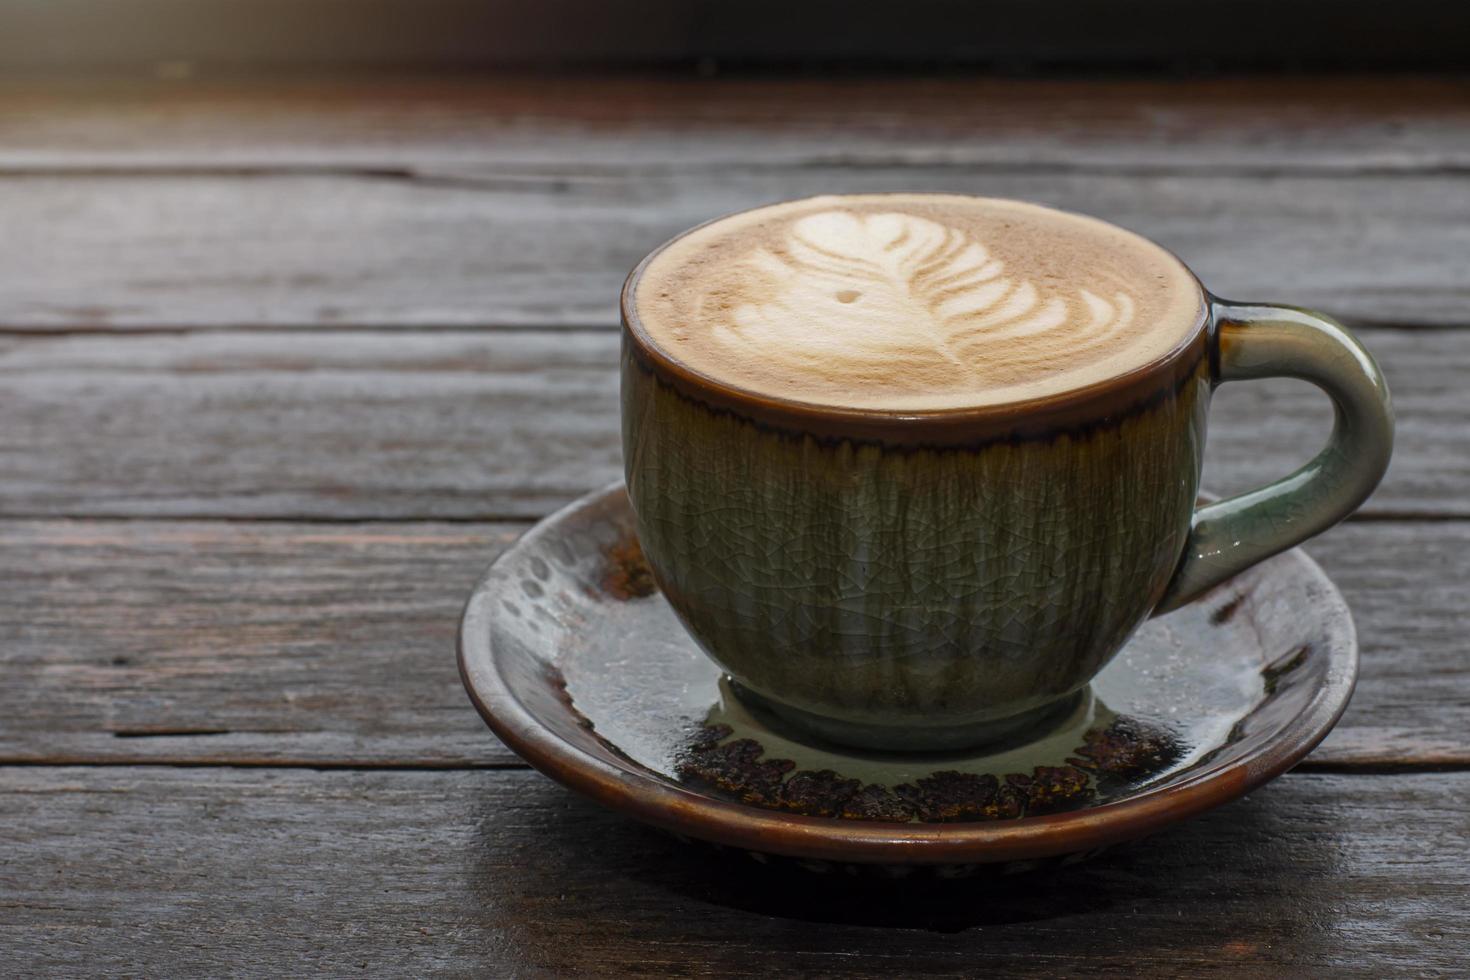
x,y
1100,403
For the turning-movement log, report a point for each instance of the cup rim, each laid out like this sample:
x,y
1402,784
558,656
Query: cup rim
x,y
1023,418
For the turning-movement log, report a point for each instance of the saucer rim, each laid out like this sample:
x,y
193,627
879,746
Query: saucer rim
x,y
683,811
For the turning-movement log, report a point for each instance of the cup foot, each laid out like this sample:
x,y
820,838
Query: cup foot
x,y
910,738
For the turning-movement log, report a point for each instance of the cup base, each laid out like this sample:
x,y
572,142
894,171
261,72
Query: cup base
x,y
910,738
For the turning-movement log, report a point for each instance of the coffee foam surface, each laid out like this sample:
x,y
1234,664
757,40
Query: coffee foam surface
x,y
914,301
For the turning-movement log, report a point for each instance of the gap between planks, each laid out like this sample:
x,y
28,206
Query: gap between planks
x,y
39,332
1307,766
1370,517
492,176
333,765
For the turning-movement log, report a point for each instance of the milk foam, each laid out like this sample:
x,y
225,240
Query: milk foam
x,y
914,301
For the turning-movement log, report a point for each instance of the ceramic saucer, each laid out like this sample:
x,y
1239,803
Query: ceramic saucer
x,y
578,664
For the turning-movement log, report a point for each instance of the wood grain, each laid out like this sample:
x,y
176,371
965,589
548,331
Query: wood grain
x,y
167,872
240,642
262,710
524,200
359,425
548,247
333,645
1264,125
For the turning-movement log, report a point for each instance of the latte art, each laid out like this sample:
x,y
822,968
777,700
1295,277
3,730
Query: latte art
x,y
889,287
913,302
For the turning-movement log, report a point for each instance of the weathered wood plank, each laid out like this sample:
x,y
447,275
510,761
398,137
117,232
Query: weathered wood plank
x,y
509,424
309,425
549,246
162,872
264,643
240,642
1274,123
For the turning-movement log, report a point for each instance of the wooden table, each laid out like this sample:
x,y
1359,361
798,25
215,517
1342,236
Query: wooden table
x,y
284,365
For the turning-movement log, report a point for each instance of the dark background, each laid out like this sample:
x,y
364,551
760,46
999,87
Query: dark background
x,y
1003,35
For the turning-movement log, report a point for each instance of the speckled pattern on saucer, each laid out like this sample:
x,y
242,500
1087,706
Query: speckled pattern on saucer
x,y
576,661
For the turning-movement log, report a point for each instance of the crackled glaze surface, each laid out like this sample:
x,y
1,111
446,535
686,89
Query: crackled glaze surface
x,y
577,660
909,595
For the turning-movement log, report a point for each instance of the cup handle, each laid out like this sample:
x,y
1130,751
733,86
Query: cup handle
x,y
1251,341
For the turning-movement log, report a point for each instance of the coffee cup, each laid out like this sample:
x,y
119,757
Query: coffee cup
x,y
912,468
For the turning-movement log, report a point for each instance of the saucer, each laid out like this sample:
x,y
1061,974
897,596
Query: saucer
x,y
575,660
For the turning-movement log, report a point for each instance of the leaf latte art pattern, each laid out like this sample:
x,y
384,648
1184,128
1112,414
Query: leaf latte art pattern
x,y
867,295
913,302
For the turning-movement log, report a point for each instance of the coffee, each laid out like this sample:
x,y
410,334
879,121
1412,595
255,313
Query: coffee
x,y
914,302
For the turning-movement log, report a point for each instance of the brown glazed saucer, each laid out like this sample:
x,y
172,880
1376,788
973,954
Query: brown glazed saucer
x,y
578,664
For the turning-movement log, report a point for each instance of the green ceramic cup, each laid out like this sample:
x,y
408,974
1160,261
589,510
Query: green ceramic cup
x,y
934,580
